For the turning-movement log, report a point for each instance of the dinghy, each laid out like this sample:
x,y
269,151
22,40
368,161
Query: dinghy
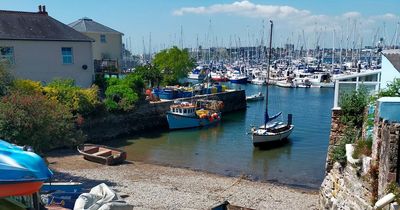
x,y
102,154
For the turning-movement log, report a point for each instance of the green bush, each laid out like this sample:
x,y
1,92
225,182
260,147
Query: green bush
x,y
34,119
392,90
120,97
135,82
78,100
353,105
339,152
363,147
27,86
6,80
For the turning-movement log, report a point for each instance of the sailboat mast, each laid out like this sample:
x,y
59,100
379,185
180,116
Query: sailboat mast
x,y
269,60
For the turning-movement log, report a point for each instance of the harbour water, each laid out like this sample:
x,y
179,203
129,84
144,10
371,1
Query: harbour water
x,y
227,147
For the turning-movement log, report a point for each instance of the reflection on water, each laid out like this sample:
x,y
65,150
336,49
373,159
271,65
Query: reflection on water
x,y
227,148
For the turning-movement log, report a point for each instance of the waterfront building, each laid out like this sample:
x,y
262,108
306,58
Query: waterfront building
x,y
35,46
107,46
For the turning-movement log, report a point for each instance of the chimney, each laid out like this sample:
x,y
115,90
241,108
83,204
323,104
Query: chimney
x,y
42,9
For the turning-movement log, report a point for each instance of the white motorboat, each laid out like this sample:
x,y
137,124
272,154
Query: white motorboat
x,y
256,97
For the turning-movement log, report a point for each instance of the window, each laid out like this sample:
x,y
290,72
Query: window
x,y
103,38
67,56
7,54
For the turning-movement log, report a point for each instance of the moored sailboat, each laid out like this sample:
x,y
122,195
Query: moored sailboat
x,y
271,131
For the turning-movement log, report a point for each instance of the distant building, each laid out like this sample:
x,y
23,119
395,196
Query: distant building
x,y
36,46
107,44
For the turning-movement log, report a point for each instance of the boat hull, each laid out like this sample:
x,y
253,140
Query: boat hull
x,y
19,188
239,81
181,122
271,138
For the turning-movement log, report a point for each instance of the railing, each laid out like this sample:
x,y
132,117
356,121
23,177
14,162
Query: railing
x,y
342,87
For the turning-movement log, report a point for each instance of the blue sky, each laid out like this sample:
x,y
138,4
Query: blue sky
x,y
233,23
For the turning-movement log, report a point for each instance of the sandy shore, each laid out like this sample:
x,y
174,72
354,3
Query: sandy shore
x,y
150,186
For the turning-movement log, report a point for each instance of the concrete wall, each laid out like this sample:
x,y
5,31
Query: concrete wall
x,y
42,61
112,48
149,116
389,72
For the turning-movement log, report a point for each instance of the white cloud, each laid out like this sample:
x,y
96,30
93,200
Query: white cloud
x,y
245,8
291,19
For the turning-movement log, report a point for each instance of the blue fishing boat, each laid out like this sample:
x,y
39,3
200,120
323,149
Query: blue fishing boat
x,y
21,172
191,115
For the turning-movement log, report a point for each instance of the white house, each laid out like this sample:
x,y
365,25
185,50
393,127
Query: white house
x,y
373,80
36,46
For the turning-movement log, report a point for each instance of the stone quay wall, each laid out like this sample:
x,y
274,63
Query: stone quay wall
x,y
388,139
150,116
355,186
337,130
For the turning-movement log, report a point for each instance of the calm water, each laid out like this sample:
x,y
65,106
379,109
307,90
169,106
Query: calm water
x,y
227,148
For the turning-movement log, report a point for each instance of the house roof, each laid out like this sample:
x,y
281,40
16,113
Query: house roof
x,y
16,25
88,25
394,57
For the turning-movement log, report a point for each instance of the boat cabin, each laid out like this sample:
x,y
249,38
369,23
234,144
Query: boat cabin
x,y
184,109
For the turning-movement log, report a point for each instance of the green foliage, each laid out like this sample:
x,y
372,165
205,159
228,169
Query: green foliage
x,y
78,100
353,105
339,152
27,86
149,73
6,80
392,90
120,97
174,64
363,147
34,119
135,82
122,94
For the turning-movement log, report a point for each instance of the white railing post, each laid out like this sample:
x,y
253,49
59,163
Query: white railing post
x,y
336,98
357,79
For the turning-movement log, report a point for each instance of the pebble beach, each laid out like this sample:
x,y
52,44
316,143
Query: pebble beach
x,y
149,186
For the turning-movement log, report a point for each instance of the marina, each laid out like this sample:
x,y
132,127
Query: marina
x,y
227,148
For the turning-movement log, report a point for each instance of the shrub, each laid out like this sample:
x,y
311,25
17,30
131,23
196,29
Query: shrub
x,y
6,80
135,82
78,100
392,90
34,119
339,152
27,86
353,105
363,147
120,97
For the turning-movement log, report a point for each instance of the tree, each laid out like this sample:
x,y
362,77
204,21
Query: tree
x,y
174,64
6,80
34,119
149,73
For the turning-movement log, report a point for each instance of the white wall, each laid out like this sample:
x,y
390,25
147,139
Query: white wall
x,y
388,72
42,61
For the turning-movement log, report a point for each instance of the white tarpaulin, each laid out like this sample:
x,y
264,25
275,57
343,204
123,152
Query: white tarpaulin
x,y
101,197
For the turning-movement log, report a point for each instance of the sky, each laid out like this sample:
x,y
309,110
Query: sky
x,y
307,23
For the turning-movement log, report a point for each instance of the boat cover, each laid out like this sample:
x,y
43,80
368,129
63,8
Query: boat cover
x,y
17,165
101,197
